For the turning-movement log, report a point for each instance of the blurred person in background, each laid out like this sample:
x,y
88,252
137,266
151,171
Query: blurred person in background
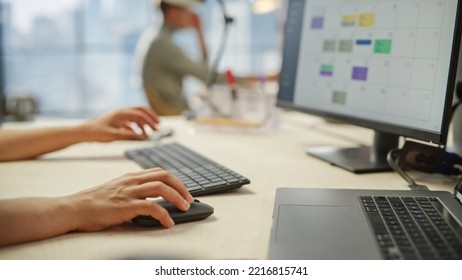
x,y
165,65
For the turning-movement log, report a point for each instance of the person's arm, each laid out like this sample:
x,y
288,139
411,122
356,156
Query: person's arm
x,y
184,65
25,144
196,24
112,203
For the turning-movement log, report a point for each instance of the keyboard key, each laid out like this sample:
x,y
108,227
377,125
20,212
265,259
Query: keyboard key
x,y
413,228
199,174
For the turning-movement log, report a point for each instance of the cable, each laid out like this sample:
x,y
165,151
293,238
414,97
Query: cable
x,y
392,158
213,70
212,77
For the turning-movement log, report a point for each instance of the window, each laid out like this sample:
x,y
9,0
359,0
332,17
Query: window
x,y
78,57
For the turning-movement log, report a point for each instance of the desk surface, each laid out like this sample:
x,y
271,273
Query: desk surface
x,y
240,226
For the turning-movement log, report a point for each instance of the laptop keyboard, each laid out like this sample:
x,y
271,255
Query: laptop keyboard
x,y
199,174
413,227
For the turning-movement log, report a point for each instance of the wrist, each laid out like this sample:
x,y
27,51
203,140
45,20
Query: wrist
x,y
86,133
68,212
74,208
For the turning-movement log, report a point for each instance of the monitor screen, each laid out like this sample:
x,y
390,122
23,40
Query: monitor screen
x,y
385,65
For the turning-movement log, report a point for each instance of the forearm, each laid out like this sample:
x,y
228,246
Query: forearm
x,y
197,26
28,219
202,45
25,144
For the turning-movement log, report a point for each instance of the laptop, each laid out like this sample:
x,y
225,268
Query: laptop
x,y
341,224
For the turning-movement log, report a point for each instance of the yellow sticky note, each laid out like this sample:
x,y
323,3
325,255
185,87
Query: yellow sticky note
x,y
367,20
349,20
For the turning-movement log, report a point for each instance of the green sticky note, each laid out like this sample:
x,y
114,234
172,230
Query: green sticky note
x,y
382,46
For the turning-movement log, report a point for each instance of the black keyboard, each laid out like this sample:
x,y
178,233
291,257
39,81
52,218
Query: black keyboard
x,y
413,227
199,174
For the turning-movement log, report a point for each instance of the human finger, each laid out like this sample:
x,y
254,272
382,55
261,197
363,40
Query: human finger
x,y
136,116
149,116
167,178
159,189
143,171
149,113
125,133
153,209
129,125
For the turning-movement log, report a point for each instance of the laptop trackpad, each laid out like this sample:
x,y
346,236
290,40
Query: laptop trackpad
x,y
324,232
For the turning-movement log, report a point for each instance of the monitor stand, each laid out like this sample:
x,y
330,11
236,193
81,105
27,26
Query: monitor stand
x,y
359,159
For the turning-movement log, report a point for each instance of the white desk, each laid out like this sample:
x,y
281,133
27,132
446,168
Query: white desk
x,y
240,226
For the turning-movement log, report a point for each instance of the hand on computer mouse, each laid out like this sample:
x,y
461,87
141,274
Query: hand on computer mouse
x,y
124,198
109,204
129,123
122,124
197,211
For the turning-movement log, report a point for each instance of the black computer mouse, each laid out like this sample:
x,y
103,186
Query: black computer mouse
x,y
197,211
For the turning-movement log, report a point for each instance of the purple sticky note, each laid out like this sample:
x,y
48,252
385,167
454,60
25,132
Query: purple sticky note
x,y
359,73
328,73
317,22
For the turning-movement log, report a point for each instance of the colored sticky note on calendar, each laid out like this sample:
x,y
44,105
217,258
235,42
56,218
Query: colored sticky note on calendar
x,y
367,20
349,20
382,46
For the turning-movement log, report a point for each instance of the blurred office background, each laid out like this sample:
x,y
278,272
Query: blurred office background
x,y
79,58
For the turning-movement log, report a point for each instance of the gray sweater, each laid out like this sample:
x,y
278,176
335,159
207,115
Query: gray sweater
x,y
165,66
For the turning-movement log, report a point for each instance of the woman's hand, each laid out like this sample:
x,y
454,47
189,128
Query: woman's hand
x,y
124,198
109,204
117,125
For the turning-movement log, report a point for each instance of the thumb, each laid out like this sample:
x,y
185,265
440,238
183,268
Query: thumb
x,y
128,134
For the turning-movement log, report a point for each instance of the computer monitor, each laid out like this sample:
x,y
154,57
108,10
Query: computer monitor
x,y
385,65
2,80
